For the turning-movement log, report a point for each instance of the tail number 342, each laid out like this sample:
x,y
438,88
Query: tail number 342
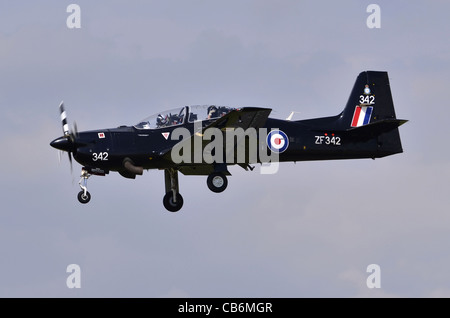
x,y
102,156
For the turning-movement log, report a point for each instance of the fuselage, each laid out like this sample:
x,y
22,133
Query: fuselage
x,y
307,140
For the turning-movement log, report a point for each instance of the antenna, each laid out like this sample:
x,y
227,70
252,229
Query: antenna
x,y
291,115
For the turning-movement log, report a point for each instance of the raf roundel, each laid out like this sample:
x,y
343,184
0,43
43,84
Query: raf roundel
x,y
277,141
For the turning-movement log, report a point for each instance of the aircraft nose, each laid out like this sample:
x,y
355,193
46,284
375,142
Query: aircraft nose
x,y
62,143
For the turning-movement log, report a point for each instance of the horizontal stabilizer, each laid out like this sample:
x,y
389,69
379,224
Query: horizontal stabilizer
x,y
384,131
378,127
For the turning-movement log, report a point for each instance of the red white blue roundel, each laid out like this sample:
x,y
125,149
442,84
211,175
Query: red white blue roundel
x,y
277,141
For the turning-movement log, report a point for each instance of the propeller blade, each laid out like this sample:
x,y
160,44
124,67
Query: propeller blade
x,y
70,160
75,130
64,119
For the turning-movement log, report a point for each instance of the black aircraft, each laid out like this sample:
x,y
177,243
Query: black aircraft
x,y
366,128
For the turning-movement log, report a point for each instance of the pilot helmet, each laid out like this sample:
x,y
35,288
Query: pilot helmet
x,y
212,111
160,120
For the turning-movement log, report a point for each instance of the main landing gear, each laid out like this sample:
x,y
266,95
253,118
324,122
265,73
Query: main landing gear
x,y
217,182
173,201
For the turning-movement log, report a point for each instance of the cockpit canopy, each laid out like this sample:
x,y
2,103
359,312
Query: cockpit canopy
x,y
179,116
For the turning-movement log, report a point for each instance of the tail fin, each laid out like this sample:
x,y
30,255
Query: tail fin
x,y
370,113
370,100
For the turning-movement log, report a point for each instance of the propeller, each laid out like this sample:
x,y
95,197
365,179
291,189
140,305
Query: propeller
x,y
67,142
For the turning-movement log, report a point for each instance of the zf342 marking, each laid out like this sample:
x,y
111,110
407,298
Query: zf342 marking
x,y
327,140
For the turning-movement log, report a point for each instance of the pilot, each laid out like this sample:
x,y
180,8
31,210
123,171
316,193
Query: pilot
x,y
161,121
212,112
223,111
178,119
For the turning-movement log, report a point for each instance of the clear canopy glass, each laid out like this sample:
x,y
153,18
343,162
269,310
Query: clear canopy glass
x,y
163,119
177,116
207,112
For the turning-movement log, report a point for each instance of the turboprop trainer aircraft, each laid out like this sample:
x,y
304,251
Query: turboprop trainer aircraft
x,y
205,140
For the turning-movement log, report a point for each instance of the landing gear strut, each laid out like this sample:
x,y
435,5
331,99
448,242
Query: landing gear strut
x,y
173,201
84,196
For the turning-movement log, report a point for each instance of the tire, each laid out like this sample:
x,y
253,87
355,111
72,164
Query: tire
x,y
217,182
170,205
84,198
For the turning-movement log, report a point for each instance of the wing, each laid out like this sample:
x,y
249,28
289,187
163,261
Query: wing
x,y
244,118
254,117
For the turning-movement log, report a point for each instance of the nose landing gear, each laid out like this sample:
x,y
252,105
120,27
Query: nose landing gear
x,y
84,196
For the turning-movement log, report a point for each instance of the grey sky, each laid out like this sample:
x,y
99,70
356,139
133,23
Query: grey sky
x,y
309,230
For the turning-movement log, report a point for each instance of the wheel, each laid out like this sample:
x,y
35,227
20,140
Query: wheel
x,y
170,205
84,198
217,182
